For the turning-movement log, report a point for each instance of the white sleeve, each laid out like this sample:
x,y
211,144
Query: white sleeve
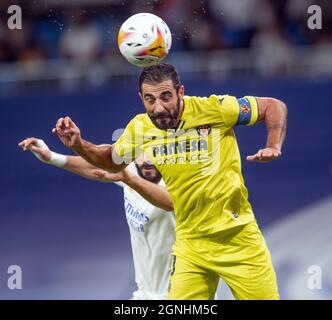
x,y
132,168
119,183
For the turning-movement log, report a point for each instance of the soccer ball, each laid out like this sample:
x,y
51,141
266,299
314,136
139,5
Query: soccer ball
x,y
144,39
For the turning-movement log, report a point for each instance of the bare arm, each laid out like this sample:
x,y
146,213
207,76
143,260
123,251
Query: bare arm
x,y
274,113
74,164
101,156
80,166
155,194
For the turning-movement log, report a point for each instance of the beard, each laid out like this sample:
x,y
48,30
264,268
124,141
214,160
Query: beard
x,y
153,177
166,119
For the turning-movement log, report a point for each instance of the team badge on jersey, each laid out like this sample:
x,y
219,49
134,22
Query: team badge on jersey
x,y
204,130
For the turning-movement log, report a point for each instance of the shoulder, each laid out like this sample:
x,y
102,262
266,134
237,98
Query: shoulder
x,y
205,101
204,110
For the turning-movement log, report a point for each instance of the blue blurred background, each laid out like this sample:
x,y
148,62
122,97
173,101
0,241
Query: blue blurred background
x,y
69,235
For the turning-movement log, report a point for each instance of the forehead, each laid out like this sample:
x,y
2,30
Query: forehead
x,y
158,88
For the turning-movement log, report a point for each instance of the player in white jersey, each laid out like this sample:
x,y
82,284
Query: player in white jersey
x,y
152,229
152,233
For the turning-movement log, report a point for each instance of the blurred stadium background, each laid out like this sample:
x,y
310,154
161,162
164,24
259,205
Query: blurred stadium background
x,y
69,235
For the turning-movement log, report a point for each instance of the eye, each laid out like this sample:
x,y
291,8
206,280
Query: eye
x,y
166,97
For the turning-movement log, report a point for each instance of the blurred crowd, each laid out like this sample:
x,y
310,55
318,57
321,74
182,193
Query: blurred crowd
x,y
87,31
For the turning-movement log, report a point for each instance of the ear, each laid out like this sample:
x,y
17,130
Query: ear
x,y
140,95
181,91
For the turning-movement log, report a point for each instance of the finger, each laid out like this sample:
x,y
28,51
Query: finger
x,y
25,143
252,157
67,122
276,154
260,153
21,144
98,172
36,150
69,131
267,153
59,124
70,121
30,142
58,131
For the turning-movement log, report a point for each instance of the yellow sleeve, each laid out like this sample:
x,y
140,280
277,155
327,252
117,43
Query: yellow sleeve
x,y
128,146
243,111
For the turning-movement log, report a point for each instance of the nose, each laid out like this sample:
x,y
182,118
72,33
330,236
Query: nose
x,y
159,107
147,160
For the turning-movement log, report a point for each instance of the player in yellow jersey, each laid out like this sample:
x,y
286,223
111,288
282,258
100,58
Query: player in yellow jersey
x,y
191,142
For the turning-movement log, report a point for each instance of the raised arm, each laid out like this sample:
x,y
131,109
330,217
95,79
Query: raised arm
x,y
74,164
101,156
155,194
274,113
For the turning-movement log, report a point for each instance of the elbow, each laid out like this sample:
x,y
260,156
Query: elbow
x,y
166,205
283,107
169,203
280,104
276,107
169,206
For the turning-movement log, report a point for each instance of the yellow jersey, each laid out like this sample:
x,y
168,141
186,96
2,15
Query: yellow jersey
x,y
199,162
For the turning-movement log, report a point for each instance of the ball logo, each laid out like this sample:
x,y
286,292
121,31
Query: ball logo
x,y
157,48
204,130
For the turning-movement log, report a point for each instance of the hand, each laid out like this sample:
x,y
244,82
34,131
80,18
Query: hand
x,y
38,147
68,133
265,155
106,176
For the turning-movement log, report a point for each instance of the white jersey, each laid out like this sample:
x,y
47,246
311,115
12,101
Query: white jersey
x,y
152,234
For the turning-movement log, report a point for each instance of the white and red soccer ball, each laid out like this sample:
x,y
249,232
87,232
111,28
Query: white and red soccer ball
x,y
144,39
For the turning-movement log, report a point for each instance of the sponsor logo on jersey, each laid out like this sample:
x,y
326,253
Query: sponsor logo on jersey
x,y
135,218
177,147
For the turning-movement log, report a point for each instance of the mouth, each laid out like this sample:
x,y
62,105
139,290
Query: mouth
x,y
148,167
163,117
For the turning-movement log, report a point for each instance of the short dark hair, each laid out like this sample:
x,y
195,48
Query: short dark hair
x,y
158,73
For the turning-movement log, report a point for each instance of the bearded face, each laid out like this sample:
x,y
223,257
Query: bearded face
x,y
146,169
163,103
